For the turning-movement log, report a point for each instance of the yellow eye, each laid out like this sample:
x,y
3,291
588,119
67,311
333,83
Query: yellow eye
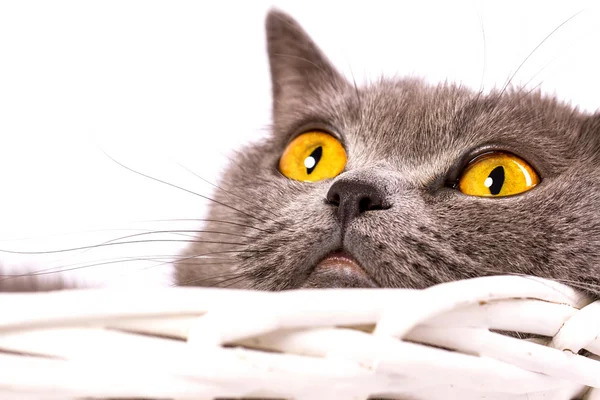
x,y
313,156
497,174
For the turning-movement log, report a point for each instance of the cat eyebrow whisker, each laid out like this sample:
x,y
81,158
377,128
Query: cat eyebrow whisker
x,y
484,68
534,50
533,77
356,91
524,95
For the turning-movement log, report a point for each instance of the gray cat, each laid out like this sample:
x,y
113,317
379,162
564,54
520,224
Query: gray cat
x,y
401,184
398,184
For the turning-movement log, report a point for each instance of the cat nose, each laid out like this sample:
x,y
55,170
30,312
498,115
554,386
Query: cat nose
x,y
353,198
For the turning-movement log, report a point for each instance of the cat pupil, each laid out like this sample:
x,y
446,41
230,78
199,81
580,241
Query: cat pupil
x,y
311,161
495,180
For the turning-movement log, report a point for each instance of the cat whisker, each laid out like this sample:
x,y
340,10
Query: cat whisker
x,y
506,85
224,262
231,193
150,232
227,192
530,91
180,232
235,281
54,235
61,270
203,256
533,77
170,260
185,190
356,90
572,281
179,260
218,221
227,263
581,284
122,243
196,282
108,261
484,68
79,266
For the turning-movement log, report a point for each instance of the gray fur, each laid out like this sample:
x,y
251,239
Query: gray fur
x,y
409,139
31,283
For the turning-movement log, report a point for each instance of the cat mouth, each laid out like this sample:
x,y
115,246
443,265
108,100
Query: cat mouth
x,y
339,270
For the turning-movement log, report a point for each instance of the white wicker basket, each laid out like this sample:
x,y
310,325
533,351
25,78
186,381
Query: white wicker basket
x,y
194,343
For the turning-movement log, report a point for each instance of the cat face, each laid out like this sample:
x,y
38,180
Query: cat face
x,y
394,216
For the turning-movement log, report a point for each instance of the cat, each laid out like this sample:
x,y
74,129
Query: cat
x,y
389,208
390,203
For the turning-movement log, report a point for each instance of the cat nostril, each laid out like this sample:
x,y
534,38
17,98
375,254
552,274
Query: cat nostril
x,y
334,199
365,204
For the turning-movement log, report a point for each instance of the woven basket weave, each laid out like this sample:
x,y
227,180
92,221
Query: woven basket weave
x,y
195,343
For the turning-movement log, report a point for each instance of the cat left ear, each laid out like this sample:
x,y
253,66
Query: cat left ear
x,y
298,67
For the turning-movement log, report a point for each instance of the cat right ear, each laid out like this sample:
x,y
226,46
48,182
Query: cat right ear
x,y
299,70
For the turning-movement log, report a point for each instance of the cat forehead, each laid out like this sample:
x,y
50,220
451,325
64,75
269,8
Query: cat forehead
x,y
411,106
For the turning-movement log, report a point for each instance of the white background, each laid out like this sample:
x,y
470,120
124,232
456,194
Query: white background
x,y
159,84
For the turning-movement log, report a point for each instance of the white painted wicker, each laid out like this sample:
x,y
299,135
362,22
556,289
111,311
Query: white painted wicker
x,y
193,343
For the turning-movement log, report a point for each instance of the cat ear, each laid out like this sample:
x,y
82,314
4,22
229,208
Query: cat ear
x,y
299,70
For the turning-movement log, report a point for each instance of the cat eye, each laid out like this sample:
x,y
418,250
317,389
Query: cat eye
x,y
313,156
497,174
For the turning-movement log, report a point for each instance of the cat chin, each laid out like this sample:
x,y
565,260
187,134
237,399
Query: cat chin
x,y
339,270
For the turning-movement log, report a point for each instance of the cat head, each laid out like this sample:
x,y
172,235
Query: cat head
x,y
400,184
